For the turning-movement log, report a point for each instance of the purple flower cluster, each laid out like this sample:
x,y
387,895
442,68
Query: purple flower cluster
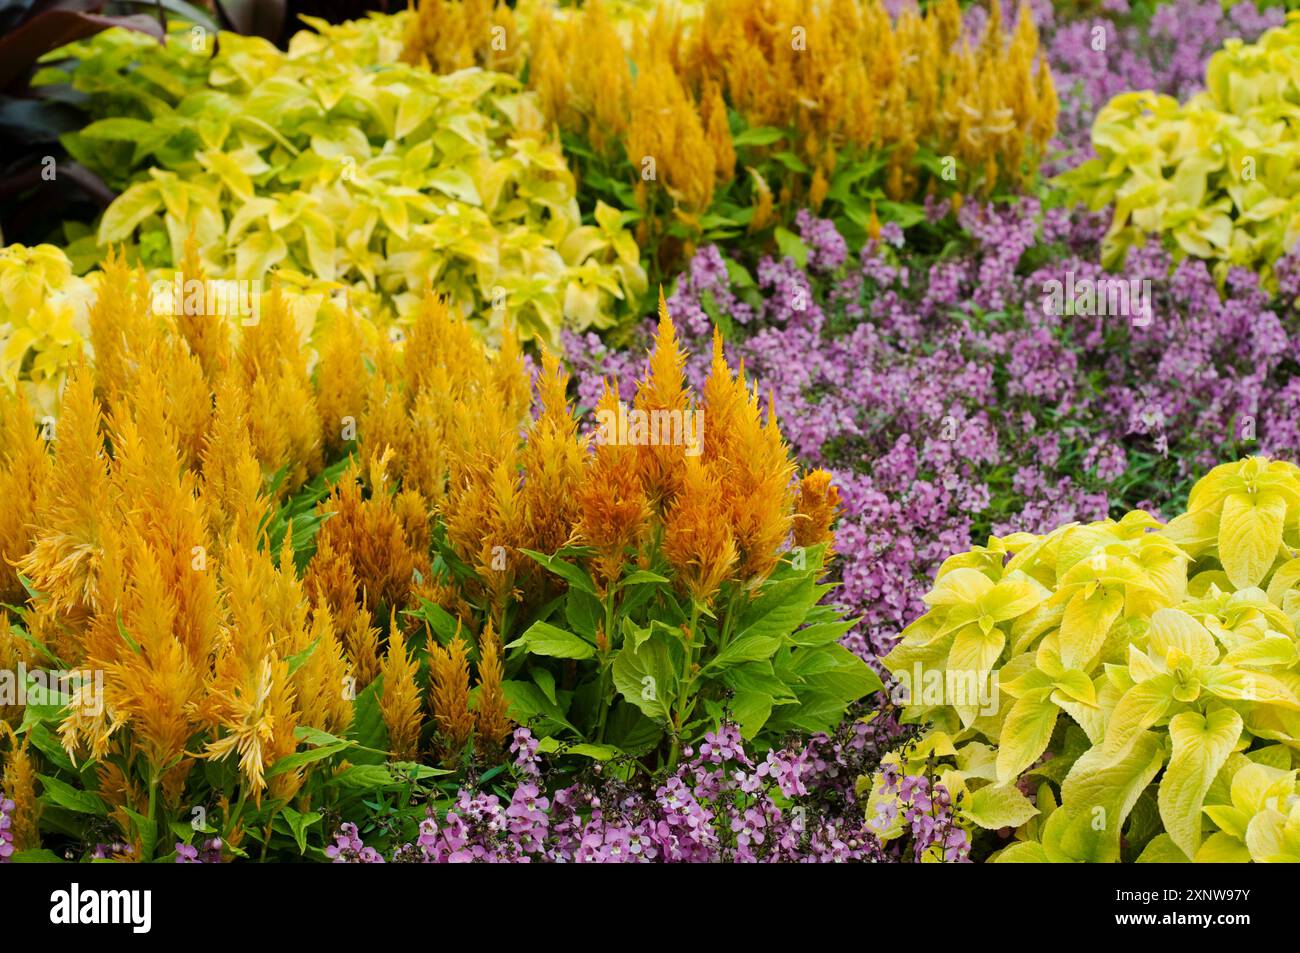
x,y
951,401
797,804
1098,57
209,853
6,828
111,851
927,812
348,848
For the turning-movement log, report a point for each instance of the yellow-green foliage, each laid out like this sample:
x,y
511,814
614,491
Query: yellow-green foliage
x,y
42,320
340,167
1121,673
1217,177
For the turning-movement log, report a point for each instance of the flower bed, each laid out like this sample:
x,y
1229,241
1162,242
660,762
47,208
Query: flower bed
x,y
354,564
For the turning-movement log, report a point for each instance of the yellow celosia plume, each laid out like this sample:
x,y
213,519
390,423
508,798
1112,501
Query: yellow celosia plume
x,y
161,527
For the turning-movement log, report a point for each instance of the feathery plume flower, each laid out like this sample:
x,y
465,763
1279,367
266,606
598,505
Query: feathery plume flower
x,y
662,396
613,510
206,335
321,682
400,704
700,547
552,461
22,811
258,724
449,697
817,508
492,712
65,558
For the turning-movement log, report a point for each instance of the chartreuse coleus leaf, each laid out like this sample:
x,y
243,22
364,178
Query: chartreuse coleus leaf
x,y
1201,745
1177,669
1026,732
1253,500
1257,792
995,806
1187,172
1096,798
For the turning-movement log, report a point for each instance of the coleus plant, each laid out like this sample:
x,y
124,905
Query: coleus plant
x,y
1122,689
1215,177
43,323
343,170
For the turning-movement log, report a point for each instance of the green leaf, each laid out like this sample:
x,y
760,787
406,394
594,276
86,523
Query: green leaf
x,y
791,246
570,573
758,677
821,633
298,825
1137,710
749,648
1161,849
583,612
40,856
119,129
66,796
647,675
791,162
1250,533
364,778
128,210
528,702
757,136
300,759
545,681
974,652
751,711
642,576
1087,620
550,745
441,623
542,638
835,671
816,711
45,742
780,609
1026,852
147,830
1105,792
126,636
419,772
368,729
630,730
297,661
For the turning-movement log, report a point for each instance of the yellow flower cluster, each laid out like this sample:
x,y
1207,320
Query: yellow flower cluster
x,y
451,35
844,75
841,74
137,537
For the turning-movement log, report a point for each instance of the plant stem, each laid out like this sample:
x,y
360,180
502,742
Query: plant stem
x,y
605,700
683,711
727,625
153,807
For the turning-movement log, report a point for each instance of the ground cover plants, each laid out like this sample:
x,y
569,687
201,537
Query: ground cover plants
x,y
850,431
